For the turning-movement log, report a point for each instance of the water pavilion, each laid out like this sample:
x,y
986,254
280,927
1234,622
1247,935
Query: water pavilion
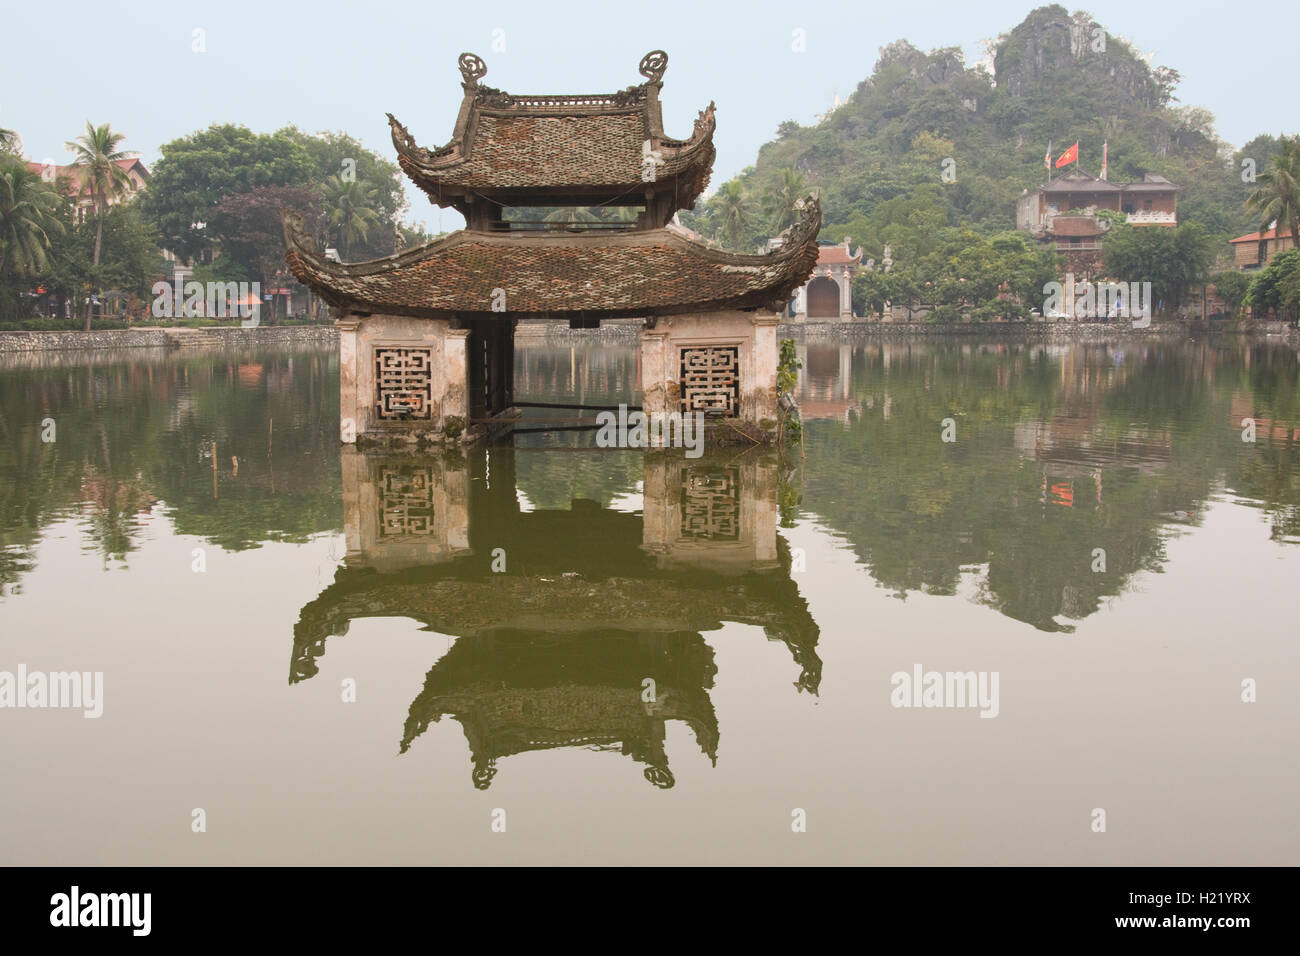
x,y
427,334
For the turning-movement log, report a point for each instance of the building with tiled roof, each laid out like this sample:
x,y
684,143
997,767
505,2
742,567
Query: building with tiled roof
x,y
1064,212
427,335
827,295
71,180
1256,249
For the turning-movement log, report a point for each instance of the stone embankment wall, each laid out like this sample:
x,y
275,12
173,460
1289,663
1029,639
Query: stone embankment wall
x,y
1037,331
223,336
626,330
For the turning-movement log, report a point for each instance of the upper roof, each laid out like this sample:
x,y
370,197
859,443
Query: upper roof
x,y
635,273
1077,181
560,147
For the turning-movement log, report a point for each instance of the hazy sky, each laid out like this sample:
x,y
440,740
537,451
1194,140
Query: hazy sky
x,y
340,64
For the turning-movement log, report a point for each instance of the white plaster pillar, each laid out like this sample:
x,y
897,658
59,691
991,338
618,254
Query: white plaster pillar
x,y
656,372
348,405
761,385
455,368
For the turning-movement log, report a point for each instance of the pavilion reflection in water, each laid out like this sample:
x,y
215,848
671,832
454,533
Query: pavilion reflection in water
x,y
553,651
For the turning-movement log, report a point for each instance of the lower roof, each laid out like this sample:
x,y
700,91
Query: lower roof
x,y
648,272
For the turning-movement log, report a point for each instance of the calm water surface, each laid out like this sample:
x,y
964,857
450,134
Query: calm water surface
x,y
495,615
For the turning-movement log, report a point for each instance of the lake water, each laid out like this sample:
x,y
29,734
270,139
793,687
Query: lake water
x,y
341,657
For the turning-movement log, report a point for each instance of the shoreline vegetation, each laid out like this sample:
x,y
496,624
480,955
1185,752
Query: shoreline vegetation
x,y
235,336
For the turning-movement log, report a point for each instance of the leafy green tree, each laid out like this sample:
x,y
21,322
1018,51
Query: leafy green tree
x,y
340,158
1170,259
1231,287
1276,288
201,170
129,262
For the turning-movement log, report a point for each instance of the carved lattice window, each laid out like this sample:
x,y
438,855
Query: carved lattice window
x,y
404,383
710,379
711,504
405,501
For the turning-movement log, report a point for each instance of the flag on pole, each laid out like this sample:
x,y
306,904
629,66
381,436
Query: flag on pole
x,y
1105,149
1047,160
1071,155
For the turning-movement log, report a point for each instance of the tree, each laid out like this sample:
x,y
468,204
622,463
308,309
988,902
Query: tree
x,y
1277,200
249,228
28,218
199,171
1170,259
780,201
9,141
338,157
129,259
1231,287
1276,288
349,211
97,157
732,210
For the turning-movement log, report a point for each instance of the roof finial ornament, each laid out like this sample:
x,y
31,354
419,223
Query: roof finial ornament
x,y
653,65
472,68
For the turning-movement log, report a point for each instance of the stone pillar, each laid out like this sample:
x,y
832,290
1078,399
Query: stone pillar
x,y
762,372
846,296
455,368
658,377
349,420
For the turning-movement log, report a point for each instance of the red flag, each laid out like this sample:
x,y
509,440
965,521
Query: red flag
x,y
1071,155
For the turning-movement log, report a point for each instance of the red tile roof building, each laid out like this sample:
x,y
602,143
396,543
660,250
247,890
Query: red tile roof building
x,y
1255,250
70,178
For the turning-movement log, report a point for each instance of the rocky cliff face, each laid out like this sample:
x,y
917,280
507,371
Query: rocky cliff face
x,y
1053,50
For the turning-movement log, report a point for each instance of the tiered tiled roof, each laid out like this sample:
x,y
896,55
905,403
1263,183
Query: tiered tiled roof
x,y
636,273
564,149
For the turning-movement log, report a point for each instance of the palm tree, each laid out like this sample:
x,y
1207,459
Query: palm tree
x,y
8,140
350,210
28,207
1278,197
733,209
782,200
96,155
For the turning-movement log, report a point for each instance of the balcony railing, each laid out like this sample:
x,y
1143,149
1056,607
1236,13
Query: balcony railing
x,y
1150,216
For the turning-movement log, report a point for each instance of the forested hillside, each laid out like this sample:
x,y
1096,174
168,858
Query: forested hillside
x,y
879,161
